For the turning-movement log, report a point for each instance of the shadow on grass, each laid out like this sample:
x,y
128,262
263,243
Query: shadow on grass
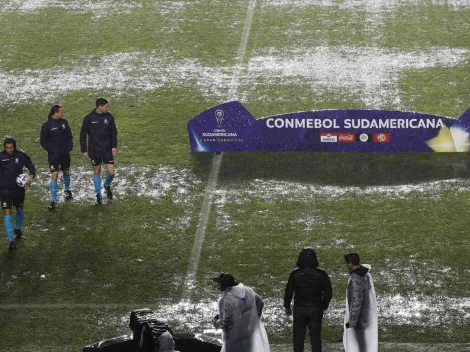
x,y
352,169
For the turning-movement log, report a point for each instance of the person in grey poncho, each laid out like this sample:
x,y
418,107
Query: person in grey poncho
x,y
361,316
240,309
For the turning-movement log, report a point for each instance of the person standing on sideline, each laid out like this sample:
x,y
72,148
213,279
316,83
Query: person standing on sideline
x,y
240,310
56,138
361,317
99,127
12,162
311,289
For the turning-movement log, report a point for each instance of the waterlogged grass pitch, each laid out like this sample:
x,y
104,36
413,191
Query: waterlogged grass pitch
x,y
81,270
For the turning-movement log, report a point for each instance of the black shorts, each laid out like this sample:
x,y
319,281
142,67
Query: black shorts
x,y
109,159
9,201
61,163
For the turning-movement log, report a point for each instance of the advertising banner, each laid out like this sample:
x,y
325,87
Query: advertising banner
x,y
230,127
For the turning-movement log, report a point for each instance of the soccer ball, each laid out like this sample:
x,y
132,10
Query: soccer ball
x,y
21,180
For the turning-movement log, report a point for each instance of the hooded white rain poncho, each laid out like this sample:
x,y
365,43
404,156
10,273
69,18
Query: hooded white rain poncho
x,y
242,329
361,308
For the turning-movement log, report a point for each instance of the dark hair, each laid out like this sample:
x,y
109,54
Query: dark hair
x,y
352,258
225,280
101,102
307,258
54,109
9,140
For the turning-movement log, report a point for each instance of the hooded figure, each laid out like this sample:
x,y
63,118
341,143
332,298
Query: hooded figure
x,y
240,310
311,289
361,317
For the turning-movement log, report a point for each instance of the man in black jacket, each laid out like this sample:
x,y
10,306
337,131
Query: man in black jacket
x,y
100,128
56,138
311,289
12,162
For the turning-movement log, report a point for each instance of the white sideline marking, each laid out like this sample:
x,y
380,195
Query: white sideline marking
x,y
190,280
242,50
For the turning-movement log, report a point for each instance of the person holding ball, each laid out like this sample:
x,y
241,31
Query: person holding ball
x,y
12,162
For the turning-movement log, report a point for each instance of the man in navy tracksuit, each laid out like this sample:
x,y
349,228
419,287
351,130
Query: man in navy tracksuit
x,y
56,138
12,162
100,128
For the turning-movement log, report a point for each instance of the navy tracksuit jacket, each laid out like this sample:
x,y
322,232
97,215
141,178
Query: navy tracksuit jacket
x,y
56,138
10,168
101,132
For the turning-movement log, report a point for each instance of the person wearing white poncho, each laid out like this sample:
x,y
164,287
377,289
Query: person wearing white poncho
x,y
239,316
361,317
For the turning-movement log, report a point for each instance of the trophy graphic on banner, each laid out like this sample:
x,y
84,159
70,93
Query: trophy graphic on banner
x,y
219,116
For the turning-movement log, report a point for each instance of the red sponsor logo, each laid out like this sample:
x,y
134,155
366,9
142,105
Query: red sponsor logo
x,y
381,137
346,137
328,137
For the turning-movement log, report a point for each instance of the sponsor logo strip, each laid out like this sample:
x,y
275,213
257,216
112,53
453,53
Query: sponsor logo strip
x,y
381,137
346,137
328,137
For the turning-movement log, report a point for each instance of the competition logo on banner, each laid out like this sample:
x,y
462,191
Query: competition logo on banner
x,y
230,127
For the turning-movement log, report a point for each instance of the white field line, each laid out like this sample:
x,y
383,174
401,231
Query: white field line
x,y
242,51
190,280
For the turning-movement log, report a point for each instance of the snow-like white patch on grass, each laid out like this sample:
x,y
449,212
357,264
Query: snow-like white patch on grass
x,y
393,310
272,191
370,73
100,8
415,275
118,72
170,7
141,181
371,5
375,11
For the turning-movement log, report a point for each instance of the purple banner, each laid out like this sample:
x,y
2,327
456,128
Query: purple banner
x,y
230,127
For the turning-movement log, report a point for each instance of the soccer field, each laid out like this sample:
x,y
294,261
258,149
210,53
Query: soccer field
x,y
180,218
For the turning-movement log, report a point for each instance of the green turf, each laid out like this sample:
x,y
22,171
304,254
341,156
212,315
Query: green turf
x,y
55,36
426,26
79,272
136,120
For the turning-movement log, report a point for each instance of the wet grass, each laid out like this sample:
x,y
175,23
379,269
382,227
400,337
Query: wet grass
x,y
56,36
416,242
151,126
75,258
426,26
410,237
134,250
